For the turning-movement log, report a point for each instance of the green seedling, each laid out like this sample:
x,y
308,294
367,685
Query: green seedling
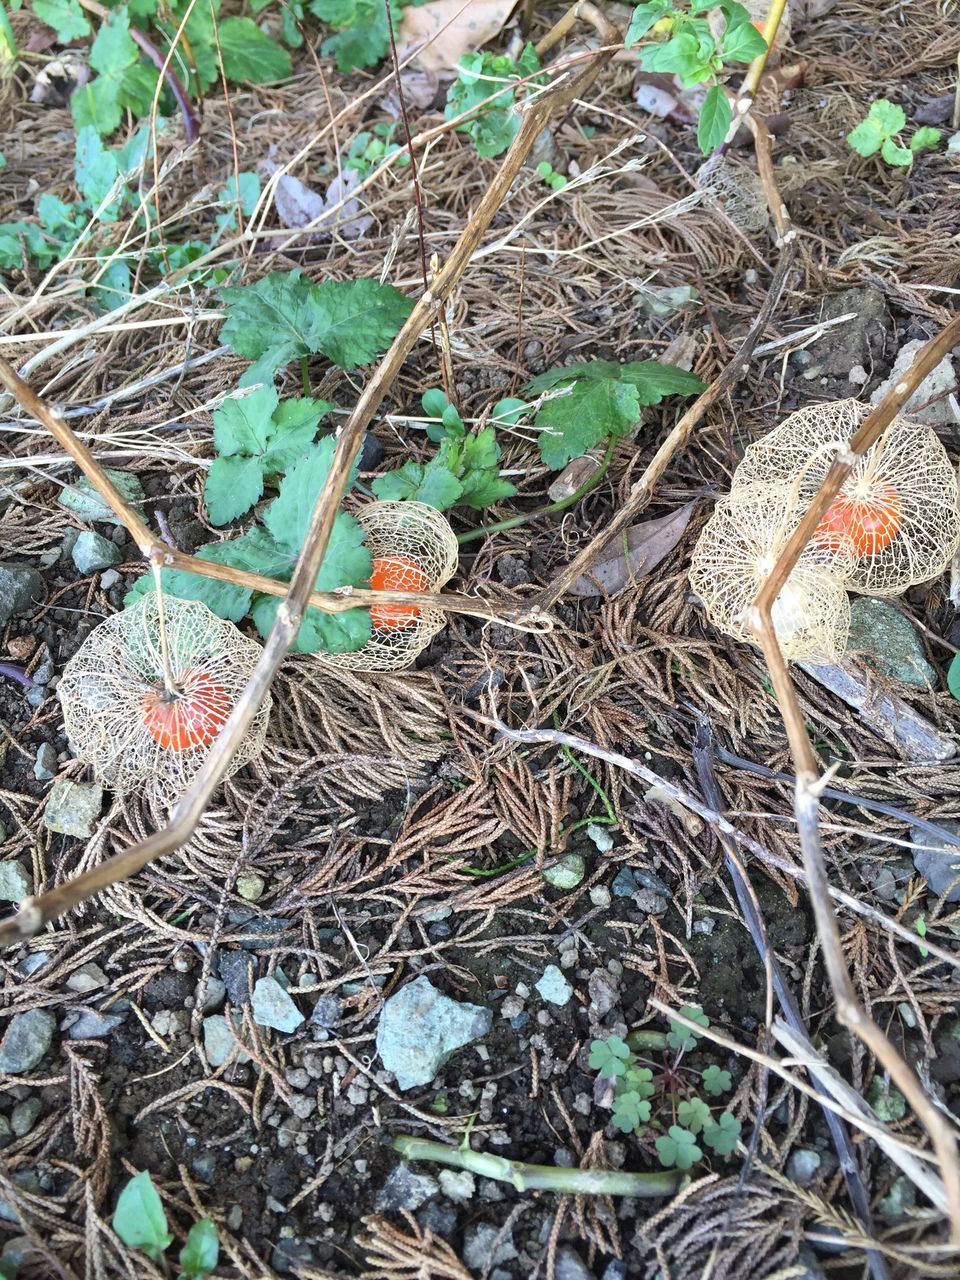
x,y
882,131
682,43
495,124
372,146
141,1223
555,181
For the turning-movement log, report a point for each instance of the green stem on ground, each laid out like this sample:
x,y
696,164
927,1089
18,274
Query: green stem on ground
x,y
551,509
647,1040
539,1177
305,376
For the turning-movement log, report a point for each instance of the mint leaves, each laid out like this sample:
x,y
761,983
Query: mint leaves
x,y
255,436
602,399
282,317
881,131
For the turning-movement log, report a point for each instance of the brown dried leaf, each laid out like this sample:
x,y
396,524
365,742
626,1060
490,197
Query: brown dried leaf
x,y
648,543
451,32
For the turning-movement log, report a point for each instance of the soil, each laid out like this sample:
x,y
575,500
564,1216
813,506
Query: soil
x,y
390,851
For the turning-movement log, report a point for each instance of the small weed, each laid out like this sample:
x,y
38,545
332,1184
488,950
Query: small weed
x,y
372,146
141,1223
555,181
882,131
920,925
496,123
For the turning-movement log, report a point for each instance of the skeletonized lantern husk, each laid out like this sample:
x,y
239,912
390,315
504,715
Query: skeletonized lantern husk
x,y
415,534
738,548
737,190
899,505
118,716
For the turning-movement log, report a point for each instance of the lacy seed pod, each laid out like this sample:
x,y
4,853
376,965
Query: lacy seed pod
x,y
737,190
414,549
898,508
121,719
738,548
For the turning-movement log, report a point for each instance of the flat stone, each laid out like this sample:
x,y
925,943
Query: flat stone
x,y
91,1025
478,1251
326,1012
457,1185
250,886
45,766
570,1266
16,883
803,1165
567,873
219,1042
235,967
600,895
405,1189
109,578
91,552
89,977
650,902
215,995
420,1028
27,1038
25,1115
604,992
272,1007
937,861
942,379
888,643
553,986
20,588
73,808
83,500
625,883
898,1201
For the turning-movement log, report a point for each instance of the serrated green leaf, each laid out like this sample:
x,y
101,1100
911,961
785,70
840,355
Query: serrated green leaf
x,y
319,632
681,55
925,139
716,115
65,16
353,321
482,489
199,1255
497,123
97,105
654,380
887,116
249,54
364,38
288,516
592,410
244,424
139,1219
894,154
644,17
268,321
300,411
866,138
15,237
232,486
433,483
742,42
254,551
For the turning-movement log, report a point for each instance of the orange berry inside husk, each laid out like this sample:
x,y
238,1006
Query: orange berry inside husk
x,y
190,718
395,573
866,525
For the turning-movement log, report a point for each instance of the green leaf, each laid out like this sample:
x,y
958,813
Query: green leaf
x,y
678,1149
483,489
681,55
953,675
245,424
887,116
925,139
716,1081
291,415
681,1037
224,599
894,154
723,1136
644,17
137,87
610,1056
15,237
694,1115
742,43
572,424
508,412
353,321
288,516
630,1111
319,632
654,380
866,138
232,486
435,402
716,115
249,54
268,322
65,16
481,75
640,1081
97,105
199,1255
139,1219
112,53
364,38
294,427
113,287
433,483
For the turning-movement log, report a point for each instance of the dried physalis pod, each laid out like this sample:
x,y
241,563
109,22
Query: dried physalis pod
x,y
147,693
738,548
413,549
737,190
898,508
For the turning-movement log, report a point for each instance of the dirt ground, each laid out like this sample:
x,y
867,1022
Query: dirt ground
x,y
395,834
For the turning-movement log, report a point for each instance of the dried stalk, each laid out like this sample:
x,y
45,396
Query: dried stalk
x,y
35,912
850,1013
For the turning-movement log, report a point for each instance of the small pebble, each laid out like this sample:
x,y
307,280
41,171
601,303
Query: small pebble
x,y
250,886
45,767
600,895
567,873
25,1115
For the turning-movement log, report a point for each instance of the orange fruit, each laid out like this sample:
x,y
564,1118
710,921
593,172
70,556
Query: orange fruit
x,y
190,718
395,573
868,524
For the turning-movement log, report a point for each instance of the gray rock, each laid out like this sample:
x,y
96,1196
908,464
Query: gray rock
x,y
615,1270
235,967
457,1185
898,1201
25,1041
553,986
289,1256
73,808
219,1042
272,1007
32,962
600,895
109,578
568,871
943,378
326,1012
625,883
20,588
89,977
857,341
405,1189
650,880
45,767
215,995
83,500
438,1218
16,1254
478,1250
888,642
25,1115
803,1165
937,861
91,552
604,991
570,1266
600,835
650,902
420,1028
16,883
205,1166
92,1025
